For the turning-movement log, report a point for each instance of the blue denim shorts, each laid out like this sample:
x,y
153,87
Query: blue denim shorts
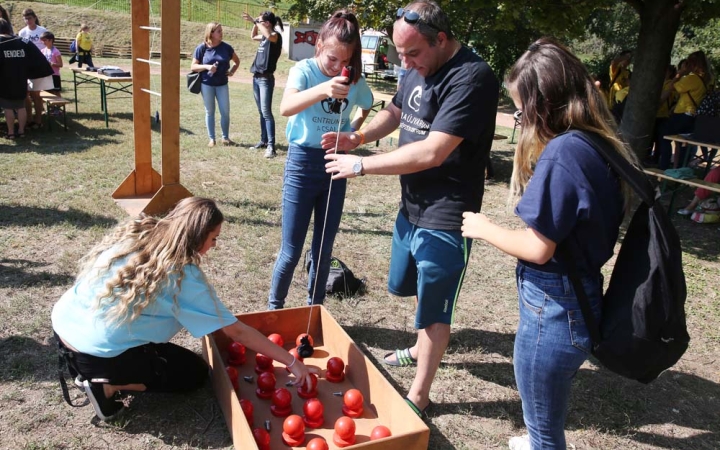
x,y
431,265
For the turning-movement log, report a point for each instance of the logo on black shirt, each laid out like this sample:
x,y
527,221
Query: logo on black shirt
x,y
414,99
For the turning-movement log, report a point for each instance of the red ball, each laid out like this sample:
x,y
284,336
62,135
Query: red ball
x,y
345,428
262,437
247,407
263,361
317,444
313,384
236,348
282,398
353,399
379,432
276,338
294,425
266,381
300,336
294,352
313,408
232,373
335,365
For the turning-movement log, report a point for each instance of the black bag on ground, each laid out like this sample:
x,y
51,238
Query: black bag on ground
x,y
643,330
341,281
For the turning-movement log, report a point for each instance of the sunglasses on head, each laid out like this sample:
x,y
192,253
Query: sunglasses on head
x,y
413,18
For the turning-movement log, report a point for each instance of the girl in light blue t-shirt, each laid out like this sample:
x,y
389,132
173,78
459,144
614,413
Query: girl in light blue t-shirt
x,y
138,288
318,99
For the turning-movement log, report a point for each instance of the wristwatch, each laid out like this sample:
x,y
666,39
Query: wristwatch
x,y
358,167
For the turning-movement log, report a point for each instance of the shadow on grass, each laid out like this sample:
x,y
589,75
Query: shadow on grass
x,y
185,420
24,358
188,420
606,401
29,216
502,163
76,139
14,273
600,399
460,340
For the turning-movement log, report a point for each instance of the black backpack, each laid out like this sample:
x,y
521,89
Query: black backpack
x,y
341,281
643,330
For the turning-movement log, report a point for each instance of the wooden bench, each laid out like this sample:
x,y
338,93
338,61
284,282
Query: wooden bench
x,y
56,101
694,182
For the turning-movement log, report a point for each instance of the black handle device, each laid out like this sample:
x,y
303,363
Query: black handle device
x,y
349,72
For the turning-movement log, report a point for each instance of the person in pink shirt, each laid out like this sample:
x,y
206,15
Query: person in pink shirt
x,y
54,57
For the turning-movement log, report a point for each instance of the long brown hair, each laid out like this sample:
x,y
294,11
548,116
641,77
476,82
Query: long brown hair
x,y
154,250
343,26
557,95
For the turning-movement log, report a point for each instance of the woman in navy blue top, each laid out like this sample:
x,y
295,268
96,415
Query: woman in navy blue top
x,y
212,58
565,193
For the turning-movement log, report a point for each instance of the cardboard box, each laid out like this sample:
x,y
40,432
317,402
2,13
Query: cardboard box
x,y
383,404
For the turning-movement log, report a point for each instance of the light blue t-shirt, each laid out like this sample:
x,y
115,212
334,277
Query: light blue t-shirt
x,y
76,319
307,127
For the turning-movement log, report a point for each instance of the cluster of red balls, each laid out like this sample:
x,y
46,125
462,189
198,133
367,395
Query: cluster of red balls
x,y
293,433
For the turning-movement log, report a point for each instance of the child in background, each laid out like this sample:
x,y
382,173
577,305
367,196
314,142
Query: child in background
x,y
54,57
84,46
314,87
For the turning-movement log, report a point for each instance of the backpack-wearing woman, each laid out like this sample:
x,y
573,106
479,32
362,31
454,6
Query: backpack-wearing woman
x,y
566,193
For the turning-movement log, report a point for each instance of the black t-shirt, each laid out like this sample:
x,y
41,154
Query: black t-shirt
x,y
267,55
460,99
20,60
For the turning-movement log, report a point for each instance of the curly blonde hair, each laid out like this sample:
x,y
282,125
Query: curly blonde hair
x,y
557,95
155,249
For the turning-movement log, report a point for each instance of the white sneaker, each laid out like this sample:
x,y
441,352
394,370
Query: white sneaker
x,y
519,442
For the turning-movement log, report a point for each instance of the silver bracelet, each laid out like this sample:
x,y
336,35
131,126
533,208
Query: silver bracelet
x,y
289,366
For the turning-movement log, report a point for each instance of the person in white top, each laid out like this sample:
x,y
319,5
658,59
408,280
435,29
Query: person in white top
x,y
32,32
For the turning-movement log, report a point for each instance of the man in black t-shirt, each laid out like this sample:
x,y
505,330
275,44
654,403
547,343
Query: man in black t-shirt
x,y
446,111
263,69
20,60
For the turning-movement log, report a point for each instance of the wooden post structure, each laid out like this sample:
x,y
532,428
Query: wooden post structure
x,y
144,190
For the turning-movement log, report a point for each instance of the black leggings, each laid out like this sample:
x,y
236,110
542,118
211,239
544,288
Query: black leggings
x,y
160,367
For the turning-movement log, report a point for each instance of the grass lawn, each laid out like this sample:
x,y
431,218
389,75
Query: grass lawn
x,y
55,204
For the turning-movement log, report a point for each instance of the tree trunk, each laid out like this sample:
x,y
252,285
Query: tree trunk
x,y
659,22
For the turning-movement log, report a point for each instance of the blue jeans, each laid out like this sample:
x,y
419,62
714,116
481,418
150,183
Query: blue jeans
x,y
222,94
84,57
551,344
305,192
263,89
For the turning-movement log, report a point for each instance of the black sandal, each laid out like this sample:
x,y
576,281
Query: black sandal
x,y
421,413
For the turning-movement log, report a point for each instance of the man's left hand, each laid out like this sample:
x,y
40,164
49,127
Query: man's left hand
x,y
340,166
344,140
